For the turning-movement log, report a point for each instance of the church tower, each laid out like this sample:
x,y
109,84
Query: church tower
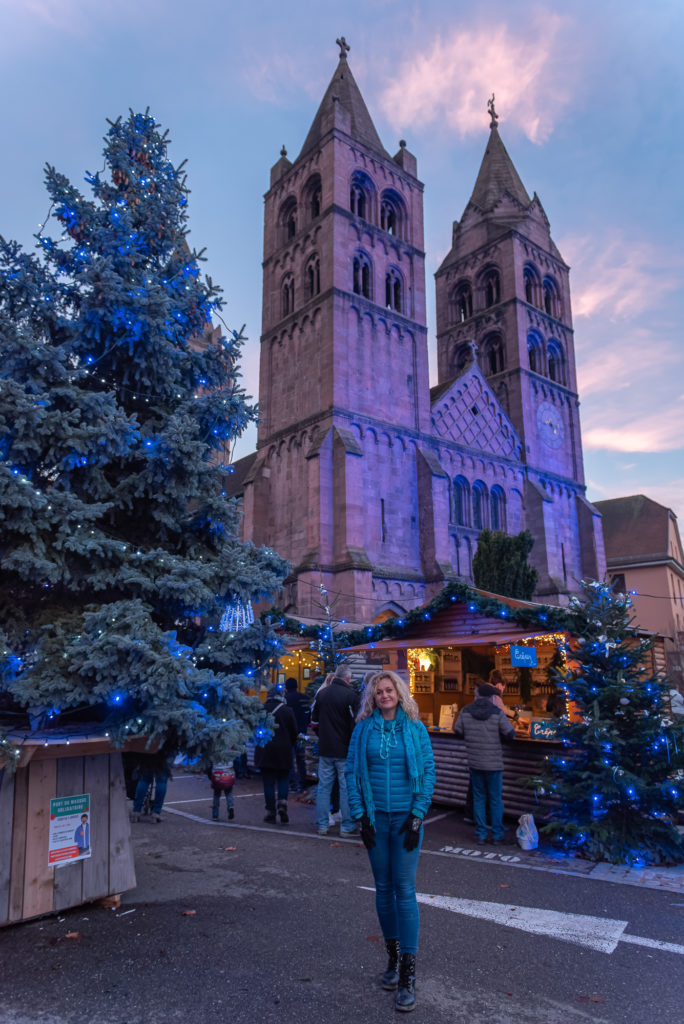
x,y
505,287
344,390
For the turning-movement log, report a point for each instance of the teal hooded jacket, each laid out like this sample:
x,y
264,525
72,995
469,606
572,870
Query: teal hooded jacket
x,y
403,780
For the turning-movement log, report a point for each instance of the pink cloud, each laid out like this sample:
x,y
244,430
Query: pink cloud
x,y
661,431
619,277
529,67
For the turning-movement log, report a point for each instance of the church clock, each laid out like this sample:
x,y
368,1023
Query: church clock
x,y
550,425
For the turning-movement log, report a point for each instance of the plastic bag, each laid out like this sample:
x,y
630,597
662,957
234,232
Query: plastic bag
x,y
526,832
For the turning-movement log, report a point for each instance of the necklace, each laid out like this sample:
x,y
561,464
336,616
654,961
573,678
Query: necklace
x,y
388,739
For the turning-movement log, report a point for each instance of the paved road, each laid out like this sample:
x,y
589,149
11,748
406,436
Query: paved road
x,y
284,929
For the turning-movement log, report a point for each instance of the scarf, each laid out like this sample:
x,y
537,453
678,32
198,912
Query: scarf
x,y
408,730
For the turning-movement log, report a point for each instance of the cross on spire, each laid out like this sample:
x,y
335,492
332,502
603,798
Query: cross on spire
x,y
344,47
492,113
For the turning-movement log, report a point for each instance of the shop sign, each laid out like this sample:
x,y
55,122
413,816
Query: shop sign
x,y
524,657
69,829
543,729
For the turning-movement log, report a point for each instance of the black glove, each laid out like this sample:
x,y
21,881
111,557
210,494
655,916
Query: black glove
x,y
367,833
412,829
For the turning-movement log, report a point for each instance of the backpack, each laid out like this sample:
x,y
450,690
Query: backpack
x,y
222,776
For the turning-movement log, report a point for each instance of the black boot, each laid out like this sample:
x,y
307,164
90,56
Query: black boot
x,y
390,979
282,811
406,993
270,815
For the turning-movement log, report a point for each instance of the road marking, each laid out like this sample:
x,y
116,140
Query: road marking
x,y
599,933
437,817
202,799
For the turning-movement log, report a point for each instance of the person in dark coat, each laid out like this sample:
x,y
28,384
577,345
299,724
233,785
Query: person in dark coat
x,y
152,768
300,708
483,725
334,715
274,759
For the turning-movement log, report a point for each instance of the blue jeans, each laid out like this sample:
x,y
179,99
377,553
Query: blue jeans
x,y
487,786
272,780
144,783
394,870
328,769
230,800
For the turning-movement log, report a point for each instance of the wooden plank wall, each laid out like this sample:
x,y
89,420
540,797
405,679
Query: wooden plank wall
x,y
29,887
6,806
69,877
121,866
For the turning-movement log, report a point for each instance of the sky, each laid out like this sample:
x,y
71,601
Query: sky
x,y
589,97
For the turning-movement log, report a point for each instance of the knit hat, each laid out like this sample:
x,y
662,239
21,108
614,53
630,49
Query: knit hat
x,y
485,690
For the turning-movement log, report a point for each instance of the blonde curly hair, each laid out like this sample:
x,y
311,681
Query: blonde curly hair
x,y
406,701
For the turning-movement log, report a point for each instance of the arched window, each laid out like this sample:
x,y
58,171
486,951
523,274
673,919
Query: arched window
x,y
497,503
535,352
392,214
532,285
460,358
361,276
460,502
493,355
552,304
393,290
490,283
312,196
555,362
313,276
288,220
480,517
360,194
461,302
287,295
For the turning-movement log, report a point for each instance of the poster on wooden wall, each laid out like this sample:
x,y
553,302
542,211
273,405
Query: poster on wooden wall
x,y
69,829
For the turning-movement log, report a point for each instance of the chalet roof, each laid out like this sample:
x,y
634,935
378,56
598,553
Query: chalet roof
x,y
497,176
344,90
634,526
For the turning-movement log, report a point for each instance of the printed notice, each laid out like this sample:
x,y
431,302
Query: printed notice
x,y
69,829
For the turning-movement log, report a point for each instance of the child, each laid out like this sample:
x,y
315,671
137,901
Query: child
x,y
222,778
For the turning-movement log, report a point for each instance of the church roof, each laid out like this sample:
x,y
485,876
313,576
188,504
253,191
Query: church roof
x,y
497,176
344,90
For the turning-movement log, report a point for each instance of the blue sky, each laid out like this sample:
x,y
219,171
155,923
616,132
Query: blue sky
x,y
589,97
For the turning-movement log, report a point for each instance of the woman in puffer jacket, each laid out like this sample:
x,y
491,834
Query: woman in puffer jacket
x,y
390,777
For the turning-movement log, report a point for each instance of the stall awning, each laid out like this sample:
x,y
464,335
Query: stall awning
x,y
446,641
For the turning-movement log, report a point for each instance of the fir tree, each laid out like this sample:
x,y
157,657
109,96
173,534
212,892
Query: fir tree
x,y
500,564
119,549
619,781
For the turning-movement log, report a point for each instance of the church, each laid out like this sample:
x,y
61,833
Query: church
x,y
374,485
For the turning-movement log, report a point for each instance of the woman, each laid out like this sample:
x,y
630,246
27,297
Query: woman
x,y
390,777
274,759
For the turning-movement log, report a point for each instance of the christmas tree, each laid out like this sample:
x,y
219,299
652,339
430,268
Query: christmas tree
x,y
619,779
118,403
500,564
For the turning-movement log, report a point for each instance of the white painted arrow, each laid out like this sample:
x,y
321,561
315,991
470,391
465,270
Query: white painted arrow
x,y
599,933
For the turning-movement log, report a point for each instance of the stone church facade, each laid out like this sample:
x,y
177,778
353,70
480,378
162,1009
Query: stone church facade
x,y
367,480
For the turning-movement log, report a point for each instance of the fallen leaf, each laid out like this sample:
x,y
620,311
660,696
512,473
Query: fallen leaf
x,y
73,935
590,999
336,844
189,913
230,848
505,885
372,938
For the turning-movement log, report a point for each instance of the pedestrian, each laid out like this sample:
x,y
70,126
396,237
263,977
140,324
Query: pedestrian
x,y
391,775
274,759
296,700
483,726
152,768
222,779
333,715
